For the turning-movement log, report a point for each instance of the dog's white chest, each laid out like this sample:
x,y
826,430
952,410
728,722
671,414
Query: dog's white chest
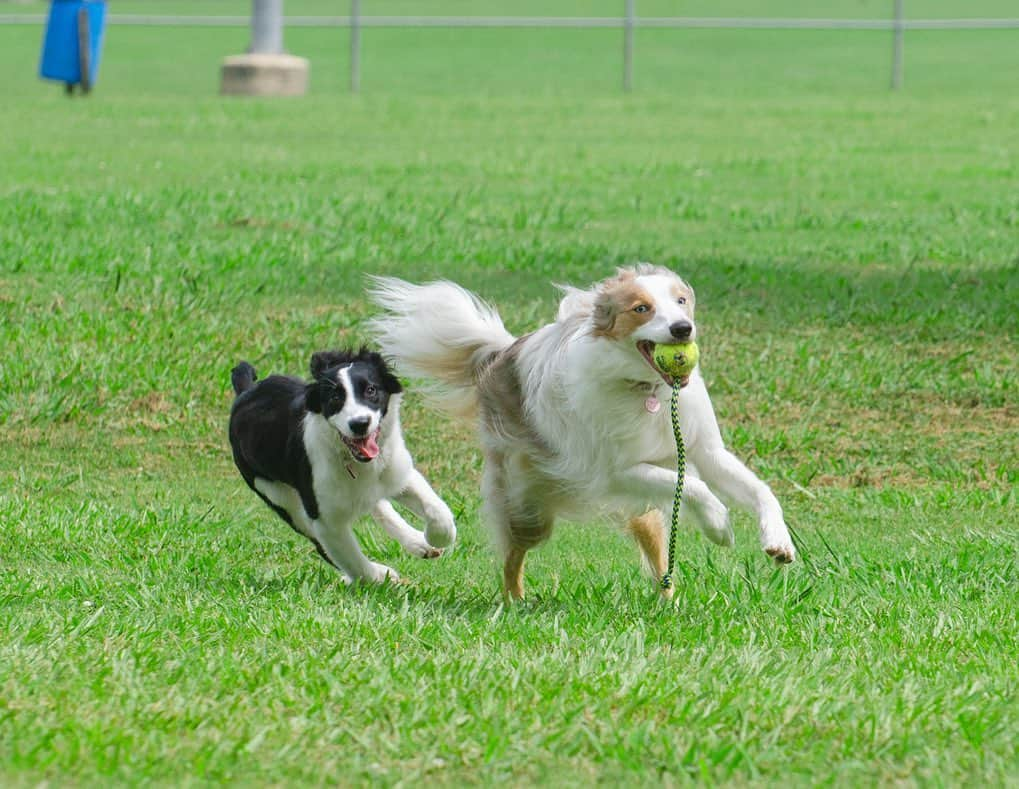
x,y
338,493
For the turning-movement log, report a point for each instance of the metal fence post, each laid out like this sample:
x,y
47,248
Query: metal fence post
x,y
355,46
628,46
267,27
899,28
265,69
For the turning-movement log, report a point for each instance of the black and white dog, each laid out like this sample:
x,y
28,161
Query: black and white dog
x,y
324,453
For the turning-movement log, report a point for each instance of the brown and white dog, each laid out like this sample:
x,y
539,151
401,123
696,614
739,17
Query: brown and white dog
x,y
574,419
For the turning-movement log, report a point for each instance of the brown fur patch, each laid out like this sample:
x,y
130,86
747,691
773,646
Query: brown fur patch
x,y
501,398
614,315
649,532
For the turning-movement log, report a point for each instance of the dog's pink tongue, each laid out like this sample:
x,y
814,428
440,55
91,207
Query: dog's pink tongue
x,y
370,446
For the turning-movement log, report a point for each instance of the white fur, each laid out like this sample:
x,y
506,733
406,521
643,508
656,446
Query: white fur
x,y
343,499
599,450
442,324
353,409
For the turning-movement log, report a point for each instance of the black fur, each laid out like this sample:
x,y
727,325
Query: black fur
x,y
323,361
266,419
243,377
366,367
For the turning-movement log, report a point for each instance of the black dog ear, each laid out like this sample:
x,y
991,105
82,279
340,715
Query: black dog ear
x,y
313,397
389,381
323,360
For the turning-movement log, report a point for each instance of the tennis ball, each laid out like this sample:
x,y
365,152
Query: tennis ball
x,y
677,360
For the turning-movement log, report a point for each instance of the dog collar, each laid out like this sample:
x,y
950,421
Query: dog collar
x,y
652,404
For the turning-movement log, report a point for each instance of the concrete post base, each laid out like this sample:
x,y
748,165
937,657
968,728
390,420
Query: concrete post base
x,y
257,74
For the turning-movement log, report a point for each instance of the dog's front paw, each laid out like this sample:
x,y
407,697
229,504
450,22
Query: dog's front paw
x,y
777,543
440,531
782,554
714,522
421,549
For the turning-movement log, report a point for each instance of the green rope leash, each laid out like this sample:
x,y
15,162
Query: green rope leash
x,y
677,361
678,497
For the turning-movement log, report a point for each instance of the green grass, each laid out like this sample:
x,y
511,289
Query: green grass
x,y
855,259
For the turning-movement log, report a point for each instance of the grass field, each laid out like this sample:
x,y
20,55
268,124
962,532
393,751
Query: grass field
x,y
856,259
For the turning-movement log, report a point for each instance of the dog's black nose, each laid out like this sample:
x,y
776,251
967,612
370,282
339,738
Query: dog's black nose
x,y
681,330
359,426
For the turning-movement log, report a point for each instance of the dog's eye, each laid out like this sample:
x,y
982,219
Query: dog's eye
x,y
369,391
641,308
681,300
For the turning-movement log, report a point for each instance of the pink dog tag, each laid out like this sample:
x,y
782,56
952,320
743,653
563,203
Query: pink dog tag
x,y
652,405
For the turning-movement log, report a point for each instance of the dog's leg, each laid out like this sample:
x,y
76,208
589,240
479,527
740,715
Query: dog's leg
x,y
513,515
286,502
496,514
341,544
648,530
513,573
724,471
440,531
709,513
411,539
646,481
514,536
525,530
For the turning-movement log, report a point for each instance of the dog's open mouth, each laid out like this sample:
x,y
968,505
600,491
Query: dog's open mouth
x,y
364,449
647,350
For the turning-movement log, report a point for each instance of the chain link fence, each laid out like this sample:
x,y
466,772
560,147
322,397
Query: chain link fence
x,y
628,21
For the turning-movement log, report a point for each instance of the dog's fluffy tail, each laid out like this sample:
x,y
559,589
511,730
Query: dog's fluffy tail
x,y
243,377
439,332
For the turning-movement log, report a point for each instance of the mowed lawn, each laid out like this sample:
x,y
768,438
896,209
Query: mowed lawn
x,y
855,260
